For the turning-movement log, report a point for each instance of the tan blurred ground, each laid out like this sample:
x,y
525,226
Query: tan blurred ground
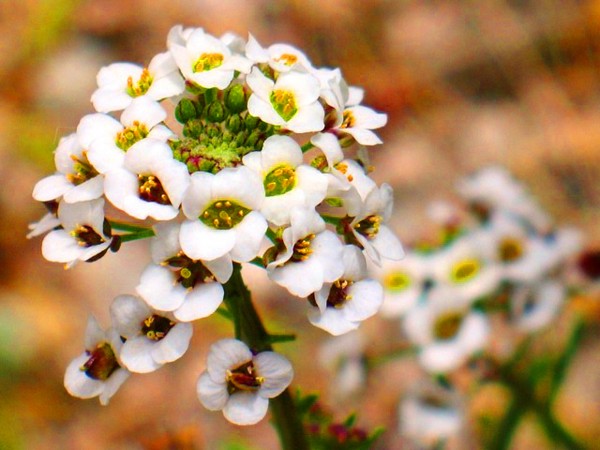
x,y
464,83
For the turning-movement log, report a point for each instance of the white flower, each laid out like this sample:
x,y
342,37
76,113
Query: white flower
x,y
403,283
341,306
463,266
344,356
445,330
120,83
561,245
291,102
281,57
334,90
151,182
311,257
288,183
191,289
494,188
241,383
206,60
358,121
82,234
520,256
534,307
48,222
223,217
108,140
430,414
97,371
76,180
370,229
153,338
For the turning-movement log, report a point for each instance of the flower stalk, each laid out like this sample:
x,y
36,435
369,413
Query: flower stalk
x,y
250,329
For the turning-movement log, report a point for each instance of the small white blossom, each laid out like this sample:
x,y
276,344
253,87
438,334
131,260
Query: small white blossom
x,y
358,121
223,215
341,306
535,307
191,289
430,414
403,283
291,102
151,182
82,234
153,338
281,57
370,229
120,83
241,383
206,60
97,372
446,330
311,257
108,140
76,180
287,181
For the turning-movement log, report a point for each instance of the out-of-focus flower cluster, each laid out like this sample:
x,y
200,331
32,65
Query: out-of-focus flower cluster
x,y
496,259
221,152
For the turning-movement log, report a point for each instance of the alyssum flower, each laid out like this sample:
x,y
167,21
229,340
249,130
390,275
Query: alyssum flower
x,y
240,382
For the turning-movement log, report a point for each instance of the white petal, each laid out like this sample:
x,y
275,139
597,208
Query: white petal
x,y
201,242
261,86
51,187
60,246
278,150
127,313
245,408
249,236
300,278
442,357
143,110
88,190
77,383
136,355
94,126
221,268
308,118
332,321
112,385
201,302
213,396
264,110
367,297
159,289
277,372
174,344
225,355
94,334
362,136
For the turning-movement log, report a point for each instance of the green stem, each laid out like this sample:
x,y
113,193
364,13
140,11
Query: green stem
x,y
563,363
126,227
250,329
135,236
508,425
306,147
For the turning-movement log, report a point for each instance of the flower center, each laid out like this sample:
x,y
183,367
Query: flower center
x,y
338,295
130,135
287,58
396,281
189,272
510,249
369,226
156,327
348,120
465,270
284,103
243,378
142,85
302,248
82,170
101,363
280,180
86,236
224,214
447,325
151,190
208,61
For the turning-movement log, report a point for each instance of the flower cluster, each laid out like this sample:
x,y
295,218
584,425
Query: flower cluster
x,y
204,145
505,254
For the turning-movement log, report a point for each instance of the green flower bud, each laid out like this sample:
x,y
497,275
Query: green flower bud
x,y
185,110
193,128
253,138
251,122
234,123
235,98
215,112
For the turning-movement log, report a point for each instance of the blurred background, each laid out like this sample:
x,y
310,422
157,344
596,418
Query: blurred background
x,y
464,84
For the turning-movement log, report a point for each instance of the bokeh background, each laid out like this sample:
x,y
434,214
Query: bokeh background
x,y
464,83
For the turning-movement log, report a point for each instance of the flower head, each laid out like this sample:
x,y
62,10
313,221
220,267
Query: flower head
x,y
240,383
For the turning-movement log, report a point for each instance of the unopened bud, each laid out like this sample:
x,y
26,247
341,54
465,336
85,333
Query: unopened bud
x,y
215,112
251,122
185,110
234,123
235,99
